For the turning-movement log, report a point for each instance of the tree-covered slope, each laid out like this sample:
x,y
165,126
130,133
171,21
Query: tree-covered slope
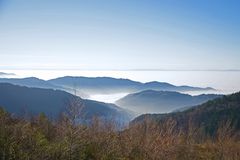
x,y
209,116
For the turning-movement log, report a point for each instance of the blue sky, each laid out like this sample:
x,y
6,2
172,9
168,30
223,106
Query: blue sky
x,y
120,34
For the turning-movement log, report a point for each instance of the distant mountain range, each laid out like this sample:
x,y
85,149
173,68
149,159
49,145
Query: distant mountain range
x,y
18,100
5,75
39,83
151,101
108,85
36,97
30,82
86,86
208,117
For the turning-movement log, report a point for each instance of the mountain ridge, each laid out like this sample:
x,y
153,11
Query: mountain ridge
x,y
17,99
106,85
152,101
87,86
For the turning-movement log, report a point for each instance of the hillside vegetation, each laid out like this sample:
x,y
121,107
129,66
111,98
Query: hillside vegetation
x,y
153,138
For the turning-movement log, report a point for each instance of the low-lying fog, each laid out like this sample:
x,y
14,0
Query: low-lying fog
x,y
108,98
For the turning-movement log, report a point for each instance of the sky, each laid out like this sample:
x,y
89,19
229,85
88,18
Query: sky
x,y
120,34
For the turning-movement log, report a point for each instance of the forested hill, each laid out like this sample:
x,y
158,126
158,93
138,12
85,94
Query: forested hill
x,y
209,116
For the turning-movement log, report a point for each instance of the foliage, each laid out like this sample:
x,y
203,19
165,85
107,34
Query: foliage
x,y
39,138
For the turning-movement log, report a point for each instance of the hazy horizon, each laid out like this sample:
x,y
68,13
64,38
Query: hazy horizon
x,y
224,81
